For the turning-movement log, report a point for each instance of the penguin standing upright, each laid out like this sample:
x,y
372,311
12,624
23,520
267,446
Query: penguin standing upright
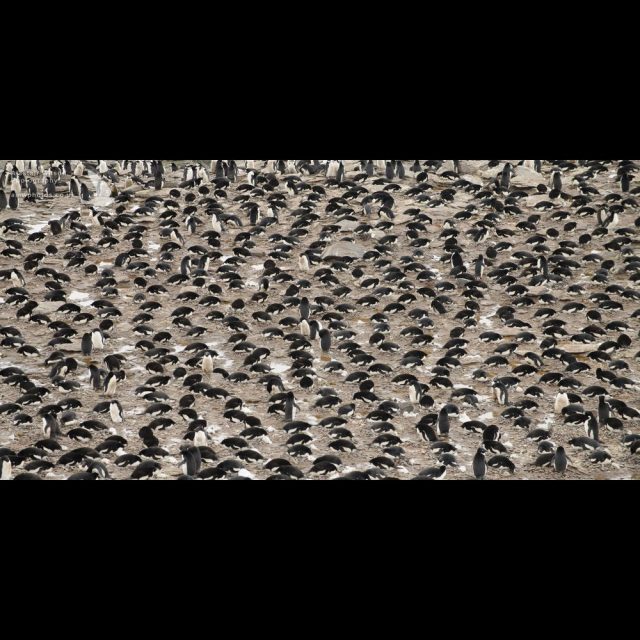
x,y
95,375
389,172
3,200
191,460
562,401
415,392
305,309
5,469
557,180
560,460
207,364
97,339
479,264
51,426
443,422
86,345
185,266
111,382
31,188
232,173
325,340
290,407
85,196
501,393
314,329
13,201
505,178
115,412
603,411
254,215
50,188
369,168
591,426
400,172
340,172
625,182
74,187
479,464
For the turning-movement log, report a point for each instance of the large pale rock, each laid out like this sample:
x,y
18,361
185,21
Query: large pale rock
x,y
526,178
344,249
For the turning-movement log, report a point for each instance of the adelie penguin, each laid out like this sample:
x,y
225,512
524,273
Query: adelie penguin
x,y
591,426
191,460
290,407
442,423
480,464
415,392
325,340
560,461
501,393
51,426
5,468
116,412
305,309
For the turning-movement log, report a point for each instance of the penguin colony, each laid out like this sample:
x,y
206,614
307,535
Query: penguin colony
x,y
307,319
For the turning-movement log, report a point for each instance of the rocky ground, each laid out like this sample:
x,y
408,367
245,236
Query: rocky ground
x,y
416,454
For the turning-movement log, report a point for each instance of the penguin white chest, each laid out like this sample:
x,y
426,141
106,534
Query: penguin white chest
x,y
115,413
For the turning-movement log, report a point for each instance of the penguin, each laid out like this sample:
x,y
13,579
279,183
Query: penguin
x,y
207,364
146,470
191,460
591,426
305,309
111,380
51,426
86,345
625,182
480,464
116,412
479,265
505,177
369,168
501,393
5,468
389,172
560,461
290,407
97,339
415,392
443,423
562,401
603,411
13,200
325,340
433,473
85,196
